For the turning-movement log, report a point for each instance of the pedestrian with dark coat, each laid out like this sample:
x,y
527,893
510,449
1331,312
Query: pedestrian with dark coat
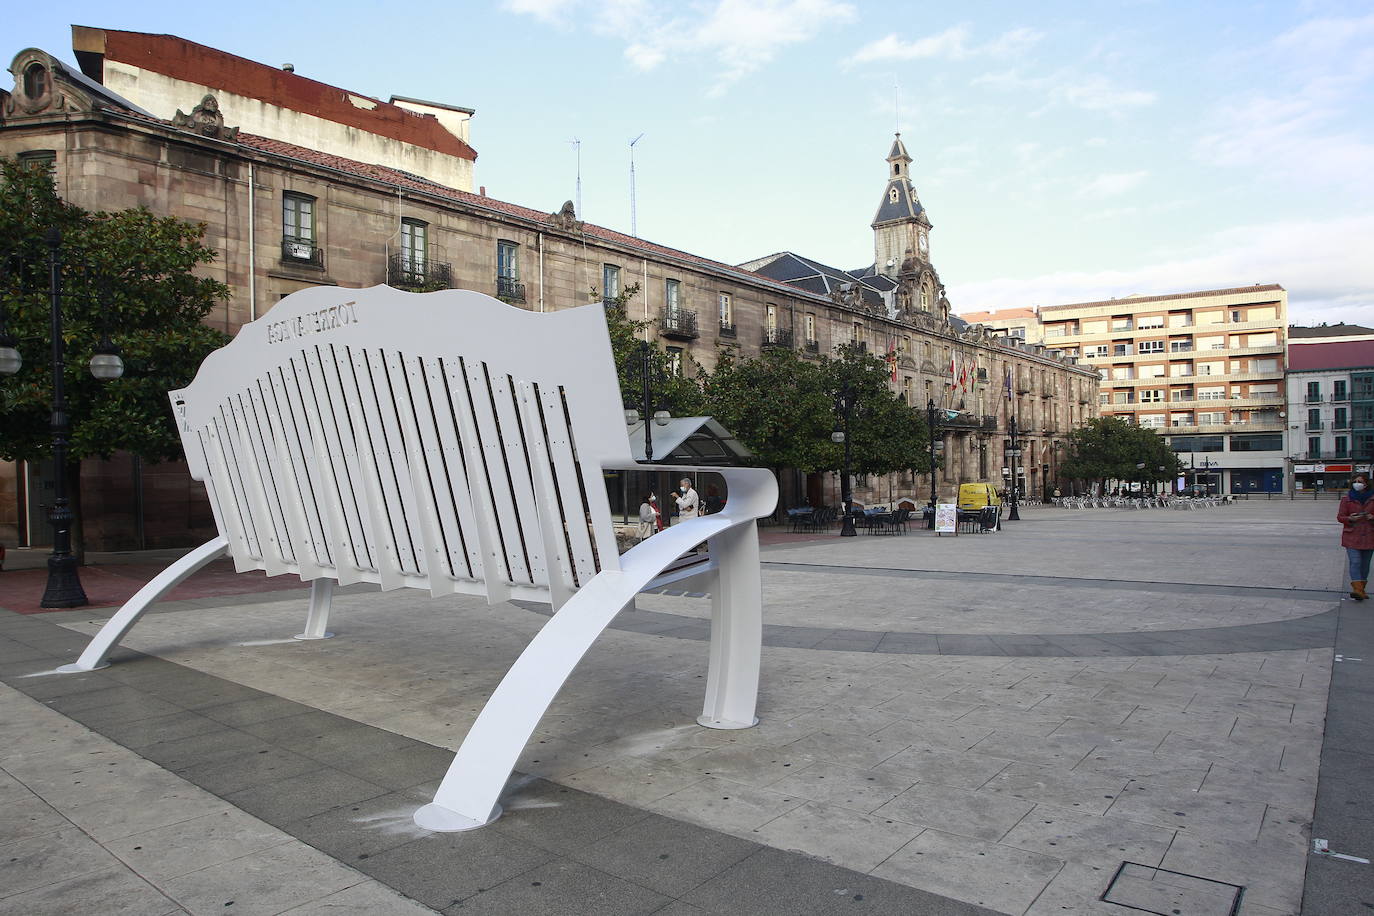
x,y
1357,535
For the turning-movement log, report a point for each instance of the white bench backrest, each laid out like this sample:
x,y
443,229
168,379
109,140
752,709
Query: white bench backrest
x,y
440,440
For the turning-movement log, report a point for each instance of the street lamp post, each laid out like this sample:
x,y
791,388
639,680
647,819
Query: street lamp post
x,y
64,583
933,421
1013,453
844,406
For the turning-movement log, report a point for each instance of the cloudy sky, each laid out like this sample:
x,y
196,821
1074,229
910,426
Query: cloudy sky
x,y
1066,151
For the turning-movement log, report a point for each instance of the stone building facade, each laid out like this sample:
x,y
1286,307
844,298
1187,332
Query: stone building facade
x,y
283,216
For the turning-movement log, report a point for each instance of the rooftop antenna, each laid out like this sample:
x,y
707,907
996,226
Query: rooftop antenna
x,y
634,222
577,148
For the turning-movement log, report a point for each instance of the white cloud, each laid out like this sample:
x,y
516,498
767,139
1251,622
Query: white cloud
x,y
1112,184
543,10
1324,266
741,35
1097,93
951,44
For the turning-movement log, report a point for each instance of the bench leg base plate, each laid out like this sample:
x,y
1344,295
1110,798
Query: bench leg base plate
x,y
309,636
709,722
75,668
442,820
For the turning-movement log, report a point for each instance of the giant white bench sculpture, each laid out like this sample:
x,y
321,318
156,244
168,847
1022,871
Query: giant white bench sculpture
x,y
448,442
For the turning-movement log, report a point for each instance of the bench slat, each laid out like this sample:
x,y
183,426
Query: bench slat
x,y
340,455
453,495
573,510
292,496
525,524
284,408
493,476
494,572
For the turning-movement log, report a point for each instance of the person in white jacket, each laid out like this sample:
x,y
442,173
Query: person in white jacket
x,y
688,503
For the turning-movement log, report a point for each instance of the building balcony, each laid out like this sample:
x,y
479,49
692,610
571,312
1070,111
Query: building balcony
x,y
678,323
776,337
1312,427
970,422
418,275
726,328
301,252
811,346
509,289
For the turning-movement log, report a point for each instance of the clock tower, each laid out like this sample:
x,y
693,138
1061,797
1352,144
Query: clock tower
x,y
901,228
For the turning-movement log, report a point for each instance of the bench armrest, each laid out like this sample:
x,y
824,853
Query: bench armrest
x,y
751,492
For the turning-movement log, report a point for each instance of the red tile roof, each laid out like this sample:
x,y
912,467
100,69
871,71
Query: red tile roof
x,y
406,180
1337,354
1128,301
205,66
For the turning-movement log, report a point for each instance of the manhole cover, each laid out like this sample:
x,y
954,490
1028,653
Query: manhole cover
x,y
1171,893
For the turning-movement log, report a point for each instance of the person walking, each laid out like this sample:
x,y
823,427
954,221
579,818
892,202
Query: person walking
x,y
648,517
688,502
1357,535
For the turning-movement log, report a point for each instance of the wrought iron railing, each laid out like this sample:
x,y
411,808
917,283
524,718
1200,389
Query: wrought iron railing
x,y
301,251
510,289
678,322
777,337
409,273
727,328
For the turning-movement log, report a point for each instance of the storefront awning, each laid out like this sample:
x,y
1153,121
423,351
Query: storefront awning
x,y
689,440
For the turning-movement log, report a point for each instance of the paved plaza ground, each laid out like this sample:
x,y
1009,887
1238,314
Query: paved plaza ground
x,y
1097,712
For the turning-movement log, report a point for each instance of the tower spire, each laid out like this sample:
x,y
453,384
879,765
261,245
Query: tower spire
x,y
901,224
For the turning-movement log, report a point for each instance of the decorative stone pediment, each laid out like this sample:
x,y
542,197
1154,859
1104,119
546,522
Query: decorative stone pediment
x,y
40,89
207,120
566,218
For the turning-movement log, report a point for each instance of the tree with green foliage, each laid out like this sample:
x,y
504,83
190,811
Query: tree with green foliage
x,y
781,406
129,274
671,389
886,433
1109,448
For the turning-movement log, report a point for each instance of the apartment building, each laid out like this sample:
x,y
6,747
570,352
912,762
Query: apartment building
x,y
1330,407
1205,369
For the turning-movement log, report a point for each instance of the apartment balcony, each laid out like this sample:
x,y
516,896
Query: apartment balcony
x,y
508,289
678,324
726,329
1312,399
811,346
776,337
418,275
970,422
1314,427
301,252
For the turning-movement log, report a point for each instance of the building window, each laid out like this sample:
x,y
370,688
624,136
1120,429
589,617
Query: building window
x,y
38,160
1341,419
1257,442
1314,391
771,318
672,294
298,228
414,245
810,328
1180,346
1121,349
1338,390
35,81
610,284
1342,448
1314,447
1314,418
674,361
1152,346
726,309
508,285
1150,321
1152,396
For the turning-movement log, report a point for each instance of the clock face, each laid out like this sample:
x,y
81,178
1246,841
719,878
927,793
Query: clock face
x,y
922,242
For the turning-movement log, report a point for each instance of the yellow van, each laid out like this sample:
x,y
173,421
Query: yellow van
x,y
978,495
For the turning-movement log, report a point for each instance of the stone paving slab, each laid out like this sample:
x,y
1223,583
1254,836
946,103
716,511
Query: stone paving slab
x,y
1222,723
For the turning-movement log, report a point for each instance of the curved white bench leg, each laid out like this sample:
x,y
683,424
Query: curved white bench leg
x,y
321,597
467,797
95,655
732,680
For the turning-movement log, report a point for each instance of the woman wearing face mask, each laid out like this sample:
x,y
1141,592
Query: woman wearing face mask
x,y
1358,535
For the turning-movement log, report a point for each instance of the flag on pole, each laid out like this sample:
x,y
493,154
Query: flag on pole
x,y
952,369
892,356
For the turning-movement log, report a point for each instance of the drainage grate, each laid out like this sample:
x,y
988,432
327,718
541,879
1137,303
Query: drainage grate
x,y
1171,893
